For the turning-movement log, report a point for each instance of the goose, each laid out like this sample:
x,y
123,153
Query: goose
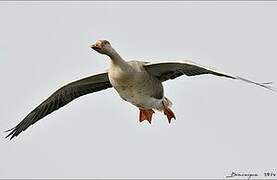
x,y
137,82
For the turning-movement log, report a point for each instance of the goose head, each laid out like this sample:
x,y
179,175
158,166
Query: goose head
x,y
103,47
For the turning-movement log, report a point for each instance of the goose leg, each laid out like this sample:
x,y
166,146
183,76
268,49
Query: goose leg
x,y
145,114
169,113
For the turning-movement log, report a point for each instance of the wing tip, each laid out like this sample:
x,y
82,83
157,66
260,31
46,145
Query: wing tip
x,y
267,85
12,134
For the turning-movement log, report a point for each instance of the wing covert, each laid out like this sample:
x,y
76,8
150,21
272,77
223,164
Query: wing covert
x,y
171,70
61,97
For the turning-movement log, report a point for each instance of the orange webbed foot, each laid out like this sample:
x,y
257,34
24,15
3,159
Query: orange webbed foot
x,y
169,114
146,114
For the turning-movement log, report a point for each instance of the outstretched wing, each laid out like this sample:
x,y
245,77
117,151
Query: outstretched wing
x,y
62,97
171,70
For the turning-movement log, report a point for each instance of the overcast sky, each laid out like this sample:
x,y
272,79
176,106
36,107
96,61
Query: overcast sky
x,y
222,125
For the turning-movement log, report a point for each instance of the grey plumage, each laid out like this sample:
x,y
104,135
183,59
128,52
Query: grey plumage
x,y
137,82
171,70
60,98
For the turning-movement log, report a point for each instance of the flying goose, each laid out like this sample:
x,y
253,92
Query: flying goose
x,y
138,82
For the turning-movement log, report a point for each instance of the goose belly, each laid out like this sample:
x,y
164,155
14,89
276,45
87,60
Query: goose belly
x,y
138,97
137,92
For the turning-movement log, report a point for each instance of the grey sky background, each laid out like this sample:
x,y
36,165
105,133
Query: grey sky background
x,y
222,125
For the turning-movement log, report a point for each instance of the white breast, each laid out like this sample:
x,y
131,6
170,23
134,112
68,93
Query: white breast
x,y
134,87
